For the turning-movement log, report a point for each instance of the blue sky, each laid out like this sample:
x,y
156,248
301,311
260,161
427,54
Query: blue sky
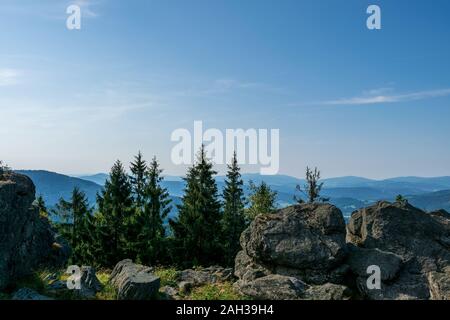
x,y
346,99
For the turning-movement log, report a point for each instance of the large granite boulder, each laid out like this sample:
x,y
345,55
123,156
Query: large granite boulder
x,y
303,242
410,246
307,237
134,281
26,239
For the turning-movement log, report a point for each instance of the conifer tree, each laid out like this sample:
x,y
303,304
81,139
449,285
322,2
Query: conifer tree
x,y
115,205
262,200
74,215
138,179
151,247
312,187
197,231
233,221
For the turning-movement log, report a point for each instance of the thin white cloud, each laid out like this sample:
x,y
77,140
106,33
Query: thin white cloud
x,y
9,77
389,98
225,85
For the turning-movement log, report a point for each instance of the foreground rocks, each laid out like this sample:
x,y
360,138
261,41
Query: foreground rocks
x,y
290,253
26,240
90,284
305,252
134,281
420,242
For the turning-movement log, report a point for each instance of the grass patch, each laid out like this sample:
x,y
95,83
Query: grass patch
x,y
108,293
103,276
4,296
217,291
168,276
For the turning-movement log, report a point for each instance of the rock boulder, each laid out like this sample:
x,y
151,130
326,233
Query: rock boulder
x,y
134,281
26,240
298,249
410,246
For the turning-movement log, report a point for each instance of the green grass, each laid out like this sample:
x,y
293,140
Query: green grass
x,y
168,276
4,296
108,292
217,291
103,276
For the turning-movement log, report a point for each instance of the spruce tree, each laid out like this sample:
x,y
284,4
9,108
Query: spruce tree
x,y
115,205
138,179
74,215
151,247
262,200
197,231
233,221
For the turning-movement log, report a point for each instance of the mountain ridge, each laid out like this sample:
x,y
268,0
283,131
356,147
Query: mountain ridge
x,y
349,193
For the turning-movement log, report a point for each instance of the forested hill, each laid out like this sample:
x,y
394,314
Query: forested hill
x,y
52,186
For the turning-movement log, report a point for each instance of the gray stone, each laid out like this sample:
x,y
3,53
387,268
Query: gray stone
x,y
247,269
28,294
90,284
360,259
134,281
416,237
302,237
272,287
168,293
328,291
27,240
202,276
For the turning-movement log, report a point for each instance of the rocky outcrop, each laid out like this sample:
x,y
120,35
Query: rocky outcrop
x,y
420,240
308,252
26,240
296,249
134,281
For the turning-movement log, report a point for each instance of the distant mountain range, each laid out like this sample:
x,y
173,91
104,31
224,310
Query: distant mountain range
x,y
53,186
348,193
